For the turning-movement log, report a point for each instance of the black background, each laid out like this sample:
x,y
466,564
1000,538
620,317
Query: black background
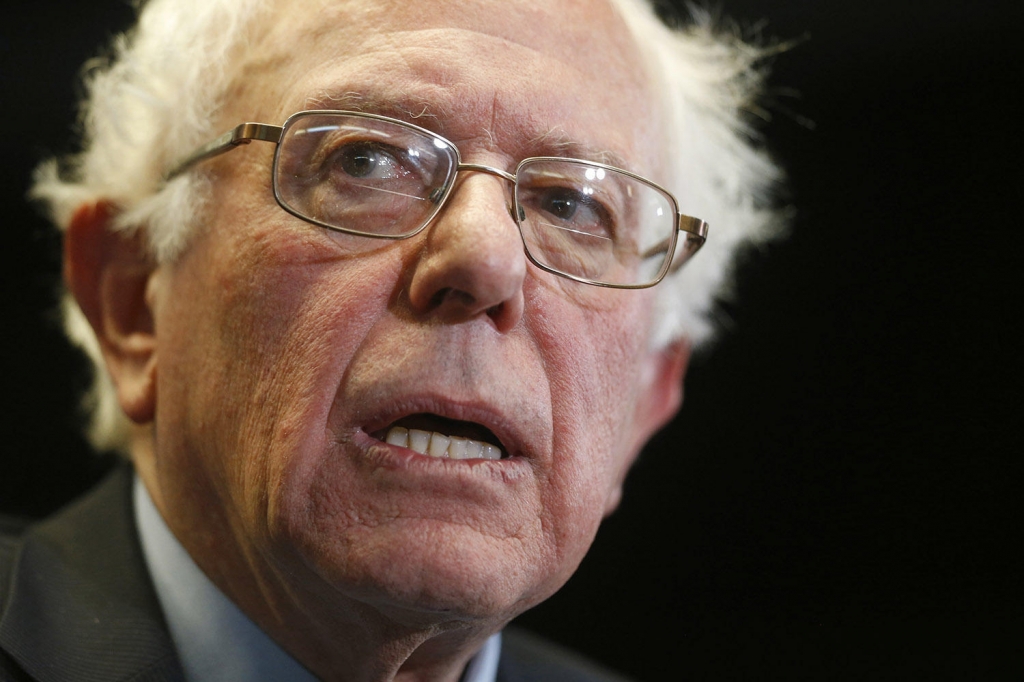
x,y
839,497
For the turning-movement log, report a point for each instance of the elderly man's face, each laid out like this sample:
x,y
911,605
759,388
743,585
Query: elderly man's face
x,y
285,352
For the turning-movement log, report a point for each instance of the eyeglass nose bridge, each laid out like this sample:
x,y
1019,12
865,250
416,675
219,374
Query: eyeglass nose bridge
x,y
489,170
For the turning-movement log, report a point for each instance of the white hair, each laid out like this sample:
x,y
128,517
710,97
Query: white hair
x,y
710,81
155,98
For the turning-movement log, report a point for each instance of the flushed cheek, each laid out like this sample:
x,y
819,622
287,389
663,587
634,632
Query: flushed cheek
x,y
284,320
303,365
593,357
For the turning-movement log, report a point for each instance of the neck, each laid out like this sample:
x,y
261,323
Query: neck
x,y
344,639
335,635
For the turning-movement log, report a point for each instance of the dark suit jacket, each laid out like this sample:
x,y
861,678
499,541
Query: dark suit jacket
x,y
77,605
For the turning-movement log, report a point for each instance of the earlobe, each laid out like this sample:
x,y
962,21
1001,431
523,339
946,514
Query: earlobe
x,y
664,387
109,273
660,398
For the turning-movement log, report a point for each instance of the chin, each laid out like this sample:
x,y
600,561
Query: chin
x,y
425,569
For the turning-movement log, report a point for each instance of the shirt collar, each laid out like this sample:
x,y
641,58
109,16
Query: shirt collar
x,y
214,639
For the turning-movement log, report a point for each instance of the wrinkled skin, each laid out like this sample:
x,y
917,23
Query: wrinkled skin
x,y
260,363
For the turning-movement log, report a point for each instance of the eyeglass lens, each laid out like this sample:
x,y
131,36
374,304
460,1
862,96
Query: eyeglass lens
x,y
379,177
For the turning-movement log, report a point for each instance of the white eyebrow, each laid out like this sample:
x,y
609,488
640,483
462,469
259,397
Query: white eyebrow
x,y
560,143
398,106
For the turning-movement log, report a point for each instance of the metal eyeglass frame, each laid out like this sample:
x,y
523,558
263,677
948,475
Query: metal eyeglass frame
x,y
694,229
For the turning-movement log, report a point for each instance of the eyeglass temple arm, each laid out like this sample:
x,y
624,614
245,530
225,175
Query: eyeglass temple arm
x,y
243,133
695,233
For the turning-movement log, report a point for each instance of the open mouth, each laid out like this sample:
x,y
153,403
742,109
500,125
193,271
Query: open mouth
x,y
436,436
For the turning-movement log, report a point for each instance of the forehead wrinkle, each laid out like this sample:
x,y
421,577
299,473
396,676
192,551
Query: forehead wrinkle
x,y
427,91
435,94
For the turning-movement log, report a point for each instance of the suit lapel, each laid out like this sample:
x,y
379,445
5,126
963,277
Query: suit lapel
x,y
79,605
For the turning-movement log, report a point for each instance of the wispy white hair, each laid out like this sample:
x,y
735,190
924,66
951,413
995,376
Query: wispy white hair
x,y
154,99
711,82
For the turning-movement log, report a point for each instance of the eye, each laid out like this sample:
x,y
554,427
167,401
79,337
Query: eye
x,y
562,204
365,160
576,209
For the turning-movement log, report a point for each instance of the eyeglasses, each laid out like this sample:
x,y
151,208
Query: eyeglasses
x,y
375,176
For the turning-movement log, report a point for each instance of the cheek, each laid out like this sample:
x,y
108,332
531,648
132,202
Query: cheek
x,y
594,380
594,356
262,328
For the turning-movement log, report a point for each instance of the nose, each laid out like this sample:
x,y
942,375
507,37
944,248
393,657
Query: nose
x,y
472,263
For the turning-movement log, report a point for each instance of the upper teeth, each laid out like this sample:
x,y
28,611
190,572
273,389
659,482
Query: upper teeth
x,y
439,445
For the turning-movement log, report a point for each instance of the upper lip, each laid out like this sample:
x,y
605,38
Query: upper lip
x,y
455,372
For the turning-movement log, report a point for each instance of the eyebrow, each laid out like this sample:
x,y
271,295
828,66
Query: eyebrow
x,y
559,143
554,142
353,100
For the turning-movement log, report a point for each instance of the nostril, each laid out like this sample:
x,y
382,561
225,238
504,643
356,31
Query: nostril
x,y
439,297
452,295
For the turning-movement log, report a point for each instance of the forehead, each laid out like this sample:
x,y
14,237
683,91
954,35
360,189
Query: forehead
x,y
545,73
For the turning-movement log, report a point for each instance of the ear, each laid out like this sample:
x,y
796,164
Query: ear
x,y
108,273
661,396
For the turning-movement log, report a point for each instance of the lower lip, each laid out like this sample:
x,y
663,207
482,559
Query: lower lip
x,y
392,457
